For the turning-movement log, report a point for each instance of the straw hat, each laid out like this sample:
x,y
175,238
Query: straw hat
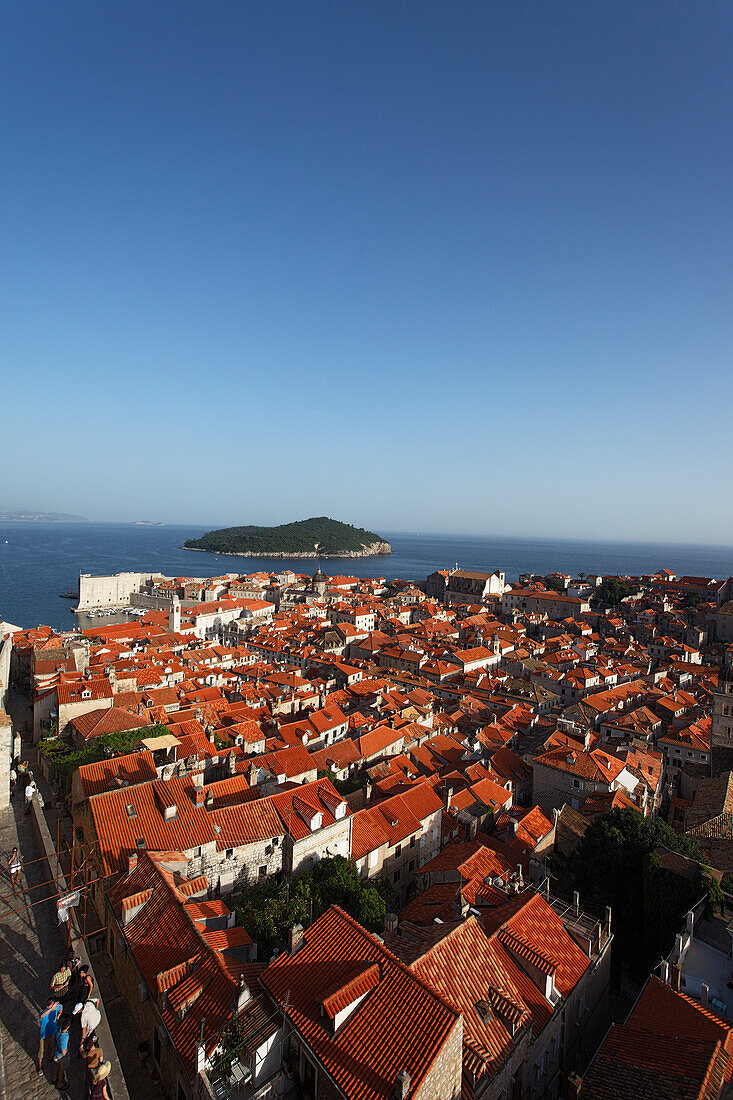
x,y
103,1071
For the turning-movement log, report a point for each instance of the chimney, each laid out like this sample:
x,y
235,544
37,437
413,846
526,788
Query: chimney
x,y
586,740
576,903
402,1085
448,797
199,798
131,863
514,826
675,970
575,1085
252,775
390,922
704,994
241,997
295,938
664,975
209,800
231,760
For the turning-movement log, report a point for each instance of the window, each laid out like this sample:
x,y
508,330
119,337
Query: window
x,y
229,853
197,853
262,872
396,876
411,865
397,850
412,841
576,782
131,811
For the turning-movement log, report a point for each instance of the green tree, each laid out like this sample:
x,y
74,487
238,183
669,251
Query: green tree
x,y
611,592
611,867
267,911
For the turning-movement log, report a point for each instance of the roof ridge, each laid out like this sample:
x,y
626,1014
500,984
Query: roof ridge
x,y
382,947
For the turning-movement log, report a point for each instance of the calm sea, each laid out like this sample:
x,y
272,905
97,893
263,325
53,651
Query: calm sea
x,y
38,561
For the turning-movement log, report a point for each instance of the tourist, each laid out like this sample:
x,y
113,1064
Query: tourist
x,y
72,961
86,984
90,1018
14,866
60,982
98,1090
93,1057
13,780
61,1053
30,791
47,1031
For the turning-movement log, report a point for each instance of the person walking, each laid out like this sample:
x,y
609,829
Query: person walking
x,y
61,1053
47,1031
93,1058
13,780
86,984
14,866
29,793
60,982
90,1018
99,1082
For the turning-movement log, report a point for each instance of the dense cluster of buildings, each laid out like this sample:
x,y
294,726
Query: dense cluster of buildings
x,y
446,737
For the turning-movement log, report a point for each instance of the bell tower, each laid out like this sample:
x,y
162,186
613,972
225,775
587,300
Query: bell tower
x,y
721,731
174,616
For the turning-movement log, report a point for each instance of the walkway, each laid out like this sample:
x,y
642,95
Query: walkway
x,y
32,945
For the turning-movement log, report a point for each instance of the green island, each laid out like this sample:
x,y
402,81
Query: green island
x,y
320,537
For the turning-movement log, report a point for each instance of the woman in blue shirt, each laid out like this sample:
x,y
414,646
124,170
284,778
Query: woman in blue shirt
x,y
61,1052
47,1029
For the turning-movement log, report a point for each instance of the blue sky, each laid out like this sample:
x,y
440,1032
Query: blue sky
x,y
458,267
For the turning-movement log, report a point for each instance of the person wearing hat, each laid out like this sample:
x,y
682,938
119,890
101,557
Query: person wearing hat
x,y
90,1018
93,1058
99,1082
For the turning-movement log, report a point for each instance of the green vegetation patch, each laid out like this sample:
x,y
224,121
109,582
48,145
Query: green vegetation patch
x,y
65,759
320,535
269,910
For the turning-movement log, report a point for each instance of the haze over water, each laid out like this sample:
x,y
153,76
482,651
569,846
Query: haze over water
x,y
41,560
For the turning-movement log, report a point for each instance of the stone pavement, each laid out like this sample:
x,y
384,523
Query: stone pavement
x,y
32,945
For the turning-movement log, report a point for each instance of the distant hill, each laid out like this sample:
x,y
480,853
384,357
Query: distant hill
x,y
307,538
41,517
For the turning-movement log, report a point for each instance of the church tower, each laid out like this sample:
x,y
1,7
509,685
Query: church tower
x,y
174,616
721,732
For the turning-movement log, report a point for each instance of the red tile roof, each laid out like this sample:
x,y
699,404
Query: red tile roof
x,y
411,1020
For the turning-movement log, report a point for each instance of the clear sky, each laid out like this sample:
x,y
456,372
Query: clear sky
x,y
450,267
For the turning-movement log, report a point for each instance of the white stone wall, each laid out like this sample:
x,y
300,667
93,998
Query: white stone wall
x,y
113,590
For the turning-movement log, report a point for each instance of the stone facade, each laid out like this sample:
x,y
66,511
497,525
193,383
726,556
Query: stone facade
x,y
552,787
113,590
333,840
443,1081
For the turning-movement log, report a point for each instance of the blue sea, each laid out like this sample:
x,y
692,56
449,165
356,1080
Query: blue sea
x,y
38,561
